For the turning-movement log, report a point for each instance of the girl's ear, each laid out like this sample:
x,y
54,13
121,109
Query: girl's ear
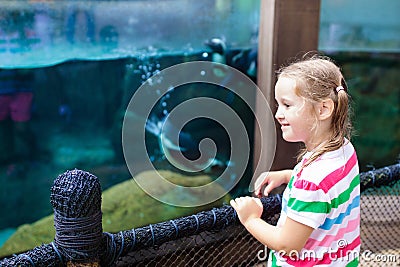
x,y
325,109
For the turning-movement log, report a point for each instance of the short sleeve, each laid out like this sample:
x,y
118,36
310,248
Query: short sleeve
x,y
308,204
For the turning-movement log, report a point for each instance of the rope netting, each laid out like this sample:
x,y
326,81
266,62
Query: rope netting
x,y
216,237
380,220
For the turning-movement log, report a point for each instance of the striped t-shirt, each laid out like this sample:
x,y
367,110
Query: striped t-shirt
x,y
324,195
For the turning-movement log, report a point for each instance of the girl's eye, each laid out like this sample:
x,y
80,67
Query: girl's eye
x,y
286,105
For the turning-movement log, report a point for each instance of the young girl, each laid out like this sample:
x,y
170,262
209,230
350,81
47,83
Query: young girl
x,y
320,217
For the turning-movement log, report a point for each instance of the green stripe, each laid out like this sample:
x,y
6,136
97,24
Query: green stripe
x,y
273,258
323,207
315,207
290,184
345,195
353,263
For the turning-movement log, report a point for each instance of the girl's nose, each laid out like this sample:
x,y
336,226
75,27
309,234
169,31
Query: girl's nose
x,y
279,114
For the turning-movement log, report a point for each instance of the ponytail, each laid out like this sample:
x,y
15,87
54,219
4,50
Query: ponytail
x,y
341,124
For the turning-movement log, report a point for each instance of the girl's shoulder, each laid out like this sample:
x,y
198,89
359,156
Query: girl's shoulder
x,y
330,162
338,156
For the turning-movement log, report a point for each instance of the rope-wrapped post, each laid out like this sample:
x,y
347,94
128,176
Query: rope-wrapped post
x,y
76,200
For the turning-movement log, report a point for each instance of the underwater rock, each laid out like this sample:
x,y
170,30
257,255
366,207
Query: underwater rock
x,y
124,206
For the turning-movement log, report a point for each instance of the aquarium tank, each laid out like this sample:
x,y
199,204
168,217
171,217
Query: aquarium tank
x,y
365,41
69,69
77,65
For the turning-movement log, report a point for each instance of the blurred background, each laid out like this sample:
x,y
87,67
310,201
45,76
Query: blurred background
x,y
72,67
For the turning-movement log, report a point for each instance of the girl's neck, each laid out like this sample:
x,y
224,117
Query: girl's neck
x,y
318,141
320,137
314,146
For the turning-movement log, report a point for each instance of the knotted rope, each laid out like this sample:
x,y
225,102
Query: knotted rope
x,y
76,200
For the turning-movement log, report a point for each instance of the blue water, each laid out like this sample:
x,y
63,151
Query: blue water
x,y
101,30
45,34
5,234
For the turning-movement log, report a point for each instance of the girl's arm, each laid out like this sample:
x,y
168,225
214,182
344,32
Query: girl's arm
x,y
290,238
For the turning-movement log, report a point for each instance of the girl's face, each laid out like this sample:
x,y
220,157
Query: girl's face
x,y
294,114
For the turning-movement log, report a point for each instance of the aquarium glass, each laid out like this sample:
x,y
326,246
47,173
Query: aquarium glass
x,y
42,33
75,66
364,39
360,26
78,64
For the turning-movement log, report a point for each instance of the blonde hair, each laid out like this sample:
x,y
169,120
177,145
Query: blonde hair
x,y
318,78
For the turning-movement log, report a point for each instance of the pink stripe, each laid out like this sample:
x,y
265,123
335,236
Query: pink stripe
x,y
327,241
334,177
306,185
331,179
328,258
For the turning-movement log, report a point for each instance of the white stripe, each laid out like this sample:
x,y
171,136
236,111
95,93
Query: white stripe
x,y
318,170
320,196
311,219
343,184
321,233
335,212
333,247
309,196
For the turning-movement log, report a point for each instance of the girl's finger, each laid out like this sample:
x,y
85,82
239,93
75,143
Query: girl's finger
x,y
260,182
258,190
258,201
233,203
268,188
239,200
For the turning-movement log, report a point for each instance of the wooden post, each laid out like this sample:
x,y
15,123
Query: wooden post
x,y
288,28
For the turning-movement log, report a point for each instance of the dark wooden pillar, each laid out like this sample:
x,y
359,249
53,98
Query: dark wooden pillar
x,y
288,29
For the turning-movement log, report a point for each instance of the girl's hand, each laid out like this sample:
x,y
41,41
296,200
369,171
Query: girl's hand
x,y
273,179
247,208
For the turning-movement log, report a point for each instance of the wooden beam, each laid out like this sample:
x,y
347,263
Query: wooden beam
x,y
288,28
